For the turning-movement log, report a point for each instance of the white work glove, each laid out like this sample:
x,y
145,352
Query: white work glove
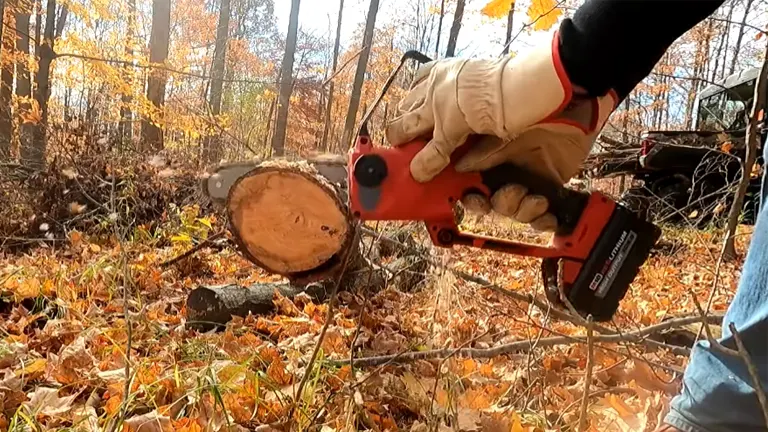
x,y
525,109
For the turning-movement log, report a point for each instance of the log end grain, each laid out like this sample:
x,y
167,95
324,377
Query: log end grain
x,y
289,220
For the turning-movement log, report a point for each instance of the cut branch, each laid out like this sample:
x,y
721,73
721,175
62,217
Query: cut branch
x,y
522,345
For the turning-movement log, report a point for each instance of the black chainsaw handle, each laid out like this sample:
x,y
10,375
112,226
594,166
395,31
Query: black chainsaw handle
x,y
567,205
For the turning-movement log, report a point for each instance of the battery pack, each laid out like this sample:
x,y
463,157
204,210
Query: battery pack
x,y
613,264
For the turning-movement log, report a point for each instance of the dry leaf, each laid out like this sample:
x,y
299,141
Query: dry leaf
x,y
149,422
74,363
46,401
33,370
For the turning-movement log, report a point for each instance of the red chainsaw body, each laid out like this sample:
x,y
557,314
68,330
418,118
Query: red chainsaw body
x,y
400,197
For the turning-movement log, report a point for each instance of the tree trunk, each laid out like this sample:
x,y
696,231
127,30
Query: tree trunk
x,y
357,85
289,220
212,143
331,86
729,247
23,83
126,116
739,38
455,27
510,23
286,84
6,86
439,29
159,40
35,154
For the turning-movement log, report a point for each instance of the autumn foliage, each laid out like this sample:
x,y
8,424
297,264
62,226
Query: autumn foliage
x,y
110,111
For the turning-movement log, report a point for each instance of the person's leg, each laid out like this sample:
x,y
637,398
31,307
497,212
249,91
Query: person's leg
x,y
718,393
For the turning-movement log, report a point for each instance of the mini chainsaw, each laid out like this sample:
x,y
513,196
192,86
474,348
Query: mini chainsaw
x,y
596,252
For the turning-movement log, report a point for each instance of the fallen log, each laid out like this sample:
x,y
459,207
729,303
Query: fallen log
x,y
289,220
211,306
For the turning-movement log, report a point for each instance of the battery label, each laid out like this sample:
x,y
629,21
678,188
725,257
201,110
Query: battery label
x,y
603,280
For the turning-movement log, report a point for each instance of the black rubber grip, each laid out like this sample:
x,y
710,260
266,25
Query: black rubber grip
x,y
566,204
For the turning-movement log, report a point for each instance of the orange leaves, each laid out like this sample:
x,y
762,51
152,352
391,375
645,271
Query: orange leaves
x,y
544,14
277,373
497,8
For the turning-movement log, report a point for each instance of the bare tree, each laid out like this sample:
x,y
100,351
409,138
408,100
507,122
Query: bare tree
x,y
362,65
159,40
34,155
211,144
510,23
6,86
740,36
331,86
729,247
126,116
286,83
439,28
455,27
23,79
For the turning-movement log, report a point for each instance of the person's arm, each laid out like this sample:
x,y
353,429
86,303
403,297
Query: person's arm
x,y
614,44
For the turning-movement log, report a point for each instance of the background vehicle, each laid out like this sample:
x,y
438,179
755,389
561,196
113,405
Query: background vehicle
x,y
691,175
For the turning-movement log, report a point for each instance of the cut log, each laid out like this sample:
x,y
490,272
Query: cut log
x,y
210,306
289,220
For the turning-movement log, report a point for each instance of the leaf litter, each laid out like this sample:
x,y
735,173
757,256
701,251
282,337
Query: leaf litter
x,y
63,351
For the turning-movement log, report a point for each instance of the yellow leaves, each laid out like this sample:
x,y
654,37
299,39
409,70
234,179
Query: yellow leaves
x,y
32,370
497,8
544,14
31,114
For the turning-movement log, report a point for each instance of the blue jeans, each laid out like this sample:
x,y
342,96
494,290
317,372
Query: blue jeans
x,y
718,393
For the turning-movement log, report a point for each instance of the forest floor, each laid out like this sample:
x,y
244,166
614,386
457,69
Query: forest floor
x,y
71,359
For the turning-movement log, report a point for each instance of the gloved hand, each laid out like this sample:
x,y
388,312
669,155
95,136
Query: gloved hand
x,y
524,107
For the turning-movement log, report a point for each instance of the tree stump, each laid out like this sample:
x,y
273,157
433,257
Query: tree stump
x,y
289,220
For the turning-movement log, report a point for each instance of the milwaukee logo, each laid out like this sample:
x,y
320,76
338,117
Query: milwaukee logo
x,y
603,280
616,248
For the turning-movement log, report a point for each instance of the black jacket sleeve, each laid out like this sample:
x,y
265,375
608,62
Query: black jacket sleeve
x,y
614,44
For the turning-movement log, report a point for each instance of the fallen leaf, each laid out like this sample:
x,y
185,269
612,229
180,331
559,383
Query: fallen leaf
x,y
149,422
75,363
33,370
45,401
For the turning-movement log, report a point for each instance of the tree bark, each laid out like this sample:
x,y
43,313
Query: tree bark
x,y
34,156
455,28
357,85
289,220
212,143
510,23
211,306
729,247
6,86
126,115
739,37
159,40
331,85
286,84
439,28
23,79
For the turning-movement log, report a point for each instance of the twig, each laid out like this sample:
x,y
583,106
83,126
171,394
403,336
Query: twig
x,y
596,393
328,319
712,341
744,354
342,67
588,377
202,245
522,345
542,305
